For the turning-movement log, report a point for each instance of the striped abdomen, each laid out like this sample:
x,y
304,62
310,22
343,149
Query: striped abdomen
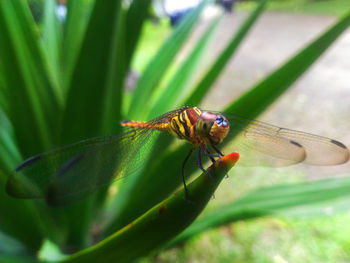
x,y
183,125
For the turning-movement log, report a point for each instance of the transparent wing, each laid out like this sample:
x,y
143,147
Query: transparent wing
x,y
98,167
32,177
64,173
262,144
79,168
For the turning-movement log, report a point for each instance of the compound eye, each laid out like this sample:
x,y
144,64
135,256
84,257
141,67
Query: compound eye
x,y
219,119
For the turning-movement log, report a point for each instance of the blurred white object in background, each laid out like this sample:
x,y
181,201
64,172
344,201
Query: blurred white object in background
x,y
61,10
174,6
177,9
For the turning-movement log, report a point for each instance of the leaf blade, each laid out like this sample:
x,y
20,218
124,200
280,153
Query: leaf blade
x,y
213,73
161,222
158,65
83,117
300,199
24,73
177,84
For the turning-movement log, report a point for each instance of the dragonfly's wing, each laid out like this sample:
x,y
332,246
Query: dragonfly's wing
x,y
33,176
263,150
85,173
263,144
78,169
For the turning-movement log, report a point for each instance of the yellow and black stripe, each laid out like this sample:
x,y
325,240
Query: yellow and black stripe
x,y
181,123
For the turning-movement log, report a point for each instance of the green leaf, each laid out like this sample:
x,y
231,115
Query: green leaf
x,y
49,252
159,64
160,223
93,78
115,80
170,95
93,99
319,198
9,154
9,245
78,14
12,251
213,73
27,228
136,15
32,101
51,35
17,259
31,107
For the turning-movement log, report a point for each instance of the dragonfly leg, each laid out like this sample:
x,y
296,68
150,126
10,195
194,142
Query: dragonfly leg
x,y
220,153
199,161
183,170
209,154
216,149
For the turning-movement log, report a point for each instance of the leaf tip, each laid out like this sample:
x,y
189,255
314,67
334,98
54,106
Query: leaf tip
x,y
230,159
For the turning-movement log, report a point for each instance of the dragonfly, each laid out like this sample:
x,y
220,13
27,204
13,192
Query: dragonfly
x,y
88,165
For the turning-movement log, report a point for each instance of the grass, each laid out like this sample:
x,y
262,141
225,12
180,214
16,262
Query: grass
x,y
269,240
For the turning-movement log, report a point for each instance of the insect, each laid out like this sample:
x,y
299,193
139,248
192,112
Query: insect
x,y
90,164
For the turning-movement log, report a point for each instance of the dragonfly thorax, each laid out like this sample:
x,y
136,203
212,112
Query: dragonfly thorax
x,y
212,127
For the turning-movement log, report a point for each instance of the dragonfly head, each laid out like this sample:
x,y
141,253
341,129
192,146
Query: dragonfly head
x,y
212,127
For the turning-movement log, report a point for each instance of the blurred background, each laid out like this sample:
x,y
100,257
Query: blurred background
x,y
318,103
